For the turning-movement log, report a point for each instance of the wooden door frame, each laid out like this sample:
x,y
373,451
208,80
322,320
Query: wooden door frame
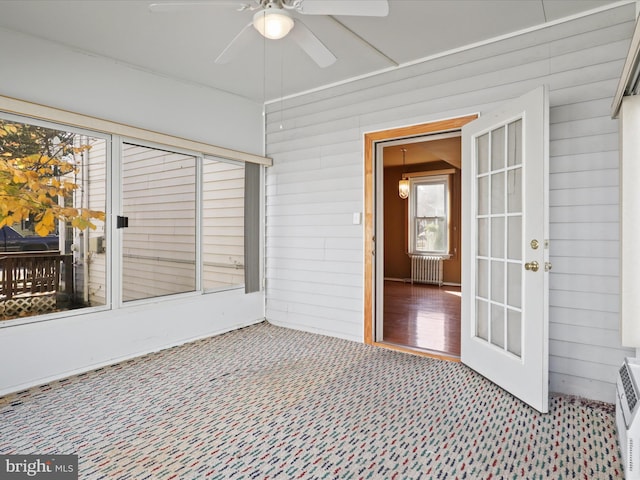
x,y
370,141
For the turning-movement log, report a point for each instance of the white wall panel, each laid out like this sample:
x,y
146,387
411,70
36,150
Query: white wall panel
x,y
585,162
585,318
585,196
106,89
318,166
595,231
49,350
585,283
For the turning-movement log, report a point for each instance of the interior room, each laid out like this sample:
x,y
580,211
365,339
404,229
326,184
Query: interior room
x,y
422,302
208,269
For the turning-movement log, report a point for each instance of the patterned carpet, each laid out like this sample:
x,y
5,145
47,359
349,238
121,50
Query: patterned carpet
x,y
270,403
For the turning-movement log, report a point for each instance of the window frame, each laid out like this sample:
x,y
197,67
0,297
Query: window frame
x,y
427,178
115,135
201,228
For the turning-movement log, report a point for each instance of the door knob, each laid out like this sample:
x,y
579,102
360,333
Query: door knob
x,y
533,266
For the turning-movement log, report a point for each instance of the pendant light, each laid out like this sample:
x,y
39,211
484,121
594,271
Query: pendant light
x,y
403,184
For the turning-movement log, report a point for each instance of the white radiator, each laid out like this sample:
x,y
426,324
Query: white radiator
x,y
627,420
426,269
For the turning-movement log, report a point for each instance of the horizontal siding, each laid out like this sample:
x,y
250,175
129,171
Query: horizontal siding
x,y
314,254
159,246
585,318
222,224
96,198
580,34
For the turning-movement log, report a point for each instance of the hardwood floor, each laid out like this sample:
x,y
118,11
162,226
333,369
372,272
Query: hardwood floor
x,y
422,316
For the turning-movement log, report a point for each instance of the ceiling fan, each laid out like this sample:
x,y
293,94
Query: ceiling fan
x,y
273,20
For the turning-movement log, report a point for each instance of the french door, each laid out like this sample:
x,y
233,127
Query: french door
x,y
505,247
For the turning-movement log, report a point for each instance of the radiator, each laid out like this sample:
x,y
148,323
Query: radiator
x,y
426,269
627,419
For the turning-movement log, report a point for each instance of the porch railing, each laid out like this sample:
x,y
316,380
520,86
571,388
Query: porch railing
x,y
25,277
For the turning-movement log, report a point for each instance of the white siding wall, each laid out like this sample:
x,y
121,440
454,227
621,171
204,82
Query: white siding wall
x,y
159,245
96,196
314,262
222,224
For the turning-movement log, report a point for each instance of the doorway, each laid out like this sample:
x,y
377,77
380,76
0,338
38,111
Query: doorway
x,y
505,241
404,311
421,231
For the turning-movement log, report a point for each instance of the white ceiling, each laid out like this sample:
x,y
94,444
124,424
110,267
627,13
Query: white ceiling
x,y
184,44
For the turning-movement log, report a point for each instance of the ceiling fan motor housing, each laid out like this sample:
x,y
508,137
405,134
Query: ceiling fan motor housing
x,y
273,22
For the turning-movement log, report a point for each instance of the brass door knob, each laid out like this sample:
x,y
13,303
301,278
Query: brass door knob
x,y
533,266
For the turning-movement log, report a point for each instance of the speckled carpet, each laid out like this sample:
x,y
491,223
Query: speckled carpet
x,y
271,403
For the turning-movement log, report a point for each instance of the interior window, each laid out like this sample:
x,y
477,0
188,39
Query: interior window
x,y
429,214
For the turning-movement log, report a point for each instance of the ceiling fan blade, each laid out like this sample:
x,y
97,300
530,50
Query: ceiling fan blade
x,y
312,45
364,8
239,42
165,7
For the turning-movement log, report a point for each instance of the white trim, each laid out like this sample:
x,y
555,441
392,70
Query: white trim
x,y
429,173
629,226
42,112
630,72
455,50
114,237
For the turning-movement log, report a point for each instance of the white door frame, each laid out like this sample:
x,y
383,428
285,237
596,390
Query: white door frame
x,y
370,273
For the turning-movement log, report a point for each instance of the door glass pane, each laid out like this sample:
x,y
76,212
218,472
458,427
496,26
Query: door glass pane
x,y
53,248
497,281
497,149
482,316
222,224
514,284
514,147
483,195
497,325
497,193
483,237
482,279
497,237
514,332
514,190
159,200
514,238
499,230
482,150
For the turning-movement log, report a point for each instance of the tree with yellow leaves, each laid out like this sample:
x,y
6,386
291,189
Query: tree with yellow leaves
x,y
36,174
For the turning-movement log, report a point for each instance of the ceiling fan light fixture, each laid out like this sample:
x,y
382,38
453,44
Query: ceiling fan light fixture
x,y
273,23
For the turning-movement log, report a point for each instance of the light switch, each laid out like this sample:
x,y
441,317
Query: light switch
x,y
357,218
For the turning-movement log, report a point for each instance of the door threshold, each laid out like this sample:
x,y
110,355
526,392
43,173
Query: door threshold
x,y
422,352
